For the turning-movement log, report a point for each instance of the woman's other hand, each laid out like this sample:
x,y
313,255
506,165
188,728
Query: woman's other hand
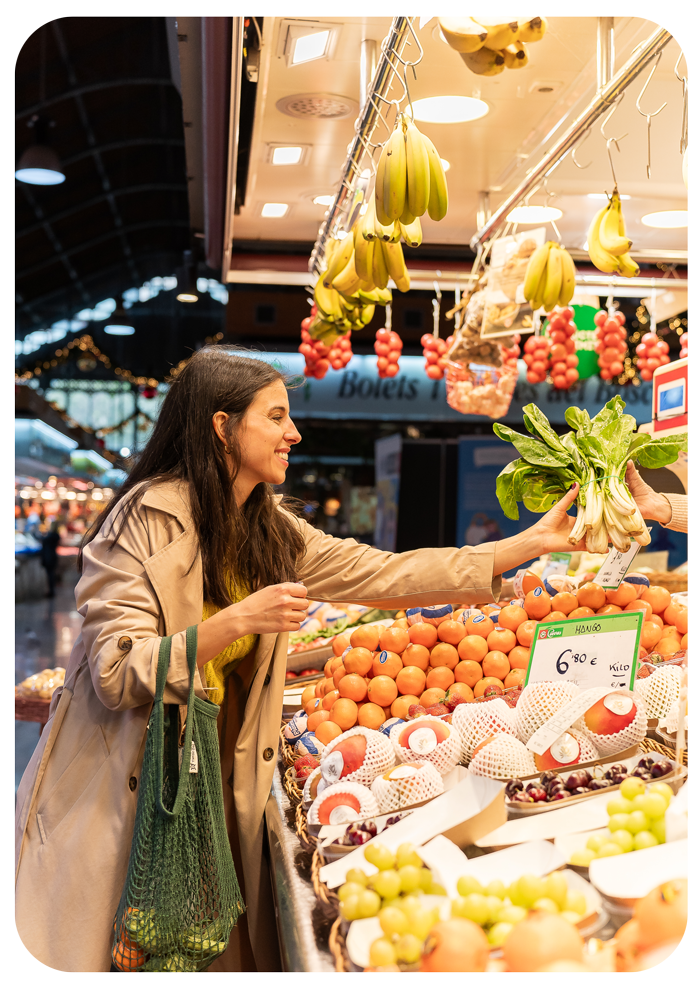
x,y
554,527
651,504
279,608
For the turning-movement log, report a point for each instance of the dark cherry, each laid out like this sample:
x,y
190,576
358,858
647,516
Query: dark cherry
x,y
581,790
617,769
585,776
661,768
598,783
369,827
358,837
618,777
556,785
522,797
645,762
513,786
563,794
548,776
576,779
393,819
537,794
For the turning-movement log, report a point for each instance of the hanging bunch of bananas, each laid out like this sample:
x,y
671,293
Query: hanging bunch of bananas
x,y
488,47
344,299
410,178
608,246
550,278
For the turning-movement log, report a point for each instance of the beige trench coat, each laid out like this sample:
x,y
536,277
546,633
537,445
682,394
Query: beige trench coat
x,y
77,799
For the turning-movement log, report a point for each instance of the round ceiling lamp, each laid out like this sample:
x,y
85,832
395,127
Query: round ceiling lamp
x,y
39,163
666,219
533,214
449,109
118,324
187,279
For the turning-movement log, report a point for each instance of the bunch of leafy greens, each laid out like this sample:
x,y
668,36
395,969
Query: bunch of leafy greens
x,y
594,454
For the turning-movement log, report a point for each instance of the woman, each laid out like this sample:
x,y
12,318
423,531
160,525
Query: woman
x,y
198,537
668,509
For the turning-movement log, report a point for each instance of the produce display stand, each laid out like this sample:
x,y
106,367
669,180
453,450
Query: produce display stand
x,y
32,710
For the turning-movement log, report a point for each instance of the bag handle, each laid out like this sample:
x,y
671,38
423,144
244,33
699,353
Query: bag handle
x,y
157,722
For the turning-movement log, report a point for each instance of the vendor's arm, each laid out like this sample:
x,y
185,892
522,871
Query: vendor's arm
x,y
334,569
668,509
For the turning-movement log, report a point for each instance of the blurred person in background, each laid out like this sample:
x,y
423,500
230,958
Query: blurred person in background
x,y
50,542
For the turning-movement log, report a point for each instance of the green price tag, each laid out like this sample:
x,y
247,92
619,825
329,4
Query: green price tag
x,y
591,651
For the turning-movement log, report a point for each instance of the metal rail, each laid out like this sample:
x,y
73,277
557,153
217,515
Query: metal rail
x,y
367,122
599,105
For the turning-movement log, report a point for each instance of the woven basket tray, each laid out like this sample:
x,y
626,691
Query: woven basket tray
x,y
648,745
327,900
336,944
293,791
300,823
670,580
286,752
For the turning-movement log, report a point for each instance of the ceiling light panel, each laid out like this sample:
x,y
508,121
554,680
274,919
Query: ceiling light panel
x,y
666,219
287,155
303,41
533,214
274,210
449,109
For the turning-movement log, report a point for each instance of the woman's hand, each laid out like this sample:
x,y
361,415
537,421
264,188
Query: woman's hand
x,y
549,535
651,504
279,608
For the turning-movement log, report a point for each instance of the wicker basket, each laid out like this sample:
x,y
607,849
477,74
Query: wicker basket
x,y
294,793
327,900
286,751
648,744
670,580
300,824
336,943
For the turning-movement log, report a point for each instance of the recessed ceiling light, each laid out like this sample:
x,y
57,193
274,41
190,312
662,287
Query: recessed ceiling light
x,y
287,155
604,197
310,47
449,109
533,214
666,219
274,210
122,329
445,164
324,199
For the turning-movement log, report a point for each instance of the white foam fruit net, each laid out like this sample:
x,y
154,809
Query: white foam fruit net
x,y
407,785
660,690
670,722
635,731
503,757
343,802
417,740
315,781
475,721
378,756
564,751
538,702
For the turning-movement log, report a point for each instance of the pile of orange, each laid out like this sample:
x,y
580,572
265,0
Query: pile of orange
x,y
380,672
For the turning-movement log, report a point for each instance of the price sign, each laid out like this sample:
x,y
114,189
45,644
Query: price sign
x,y
613,569
591,651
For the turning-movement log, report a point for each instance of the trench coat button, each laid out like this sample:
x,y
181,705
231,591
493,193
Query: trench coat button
x,y
267,680
125,643
132,783
268,753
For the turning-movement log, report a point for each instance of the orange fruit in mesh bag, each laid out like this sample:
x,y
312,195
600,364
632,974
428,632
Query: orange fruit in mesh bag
x,y
128,957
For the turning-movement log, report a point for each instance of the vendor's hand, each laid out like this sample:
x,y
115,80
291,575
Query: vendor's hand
x,y
554,527
651,504
279,608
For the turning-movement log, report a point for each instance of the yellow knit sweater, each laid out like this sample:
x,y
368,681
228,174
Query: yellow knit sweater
x,y
218,669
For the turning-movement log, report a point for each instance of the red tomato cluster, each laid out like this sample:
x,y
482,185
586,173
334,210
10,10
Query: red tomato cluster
x,y
510,354
434,350
387,346
652,352
536,357
341,352
684,345
612,345
563,358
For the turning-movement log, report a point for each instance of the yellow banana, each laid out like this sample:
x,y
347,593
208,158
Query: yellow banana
x,y
462,33
364,251
536,266
383,295
396,265
485,62
417,171
326,299
348,282
601,258
499,33
367,221
537,302
379,183
394,189
609,235
407,218
627,266
331,246
339,260
437,201
367,314
552,287
413,233
387,233
568,279
380,274
532,29
516,55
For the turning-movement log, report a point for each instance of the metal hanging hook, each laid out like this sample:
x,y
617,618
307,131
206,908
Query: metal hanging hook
x,y
684,122
610,139
649,115
585,136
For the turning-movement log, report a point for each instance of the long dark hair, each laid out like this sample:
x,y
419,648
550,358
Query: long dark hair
x,y
256,543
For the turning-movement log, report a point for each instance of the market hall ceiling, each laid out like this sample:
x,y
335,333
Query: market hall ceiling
x,y
121,216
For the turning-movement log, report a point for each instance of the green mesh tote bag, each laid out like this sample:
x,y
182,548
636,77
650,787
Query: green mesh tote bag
x,y
181,897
